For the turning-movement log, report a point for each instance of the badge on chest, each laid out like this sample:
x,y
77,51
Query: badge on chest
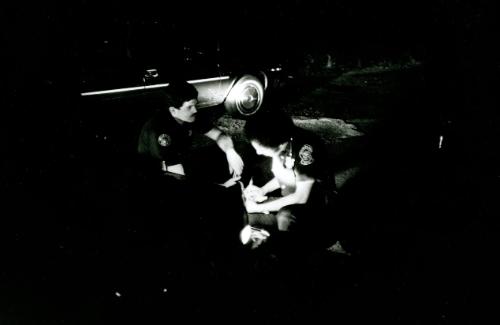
x,y
164,140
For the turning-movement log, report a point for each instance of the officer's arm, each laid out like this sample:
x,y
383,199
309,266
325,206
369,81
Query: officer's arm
x,y
225,143
176,169
300,196
258,194
223,140
270,186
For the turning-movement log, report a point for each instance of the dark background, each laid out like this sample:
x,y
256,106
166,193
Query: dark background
x,y
48,204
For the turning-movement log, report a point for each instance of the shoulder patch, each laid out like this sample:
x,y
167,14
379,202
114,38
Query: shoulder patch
x,y
305,154
164,140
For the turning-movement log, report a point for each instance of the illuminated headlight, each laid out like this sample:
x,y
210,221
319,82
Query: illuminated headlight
x,y
245,97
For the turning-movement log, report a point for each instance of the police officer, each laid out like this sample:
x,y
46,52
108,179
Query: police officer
x,y
166,138
295,199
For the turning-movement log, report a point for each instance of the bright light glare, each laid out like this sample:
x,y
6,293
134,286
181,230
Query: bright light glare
x,y
245,234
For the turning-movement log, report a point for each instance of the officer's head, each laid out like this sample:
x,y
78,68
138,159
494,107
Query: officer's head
x,y
269,132
181,98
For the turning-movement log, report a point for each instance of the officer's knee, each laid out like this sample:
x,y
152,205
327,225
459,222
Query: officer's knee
x,y
284,218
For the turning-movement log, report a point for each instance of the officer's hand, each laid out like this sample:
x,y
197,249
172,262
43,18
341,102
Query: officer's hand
x,y
235,162
253,207
232,181
254,193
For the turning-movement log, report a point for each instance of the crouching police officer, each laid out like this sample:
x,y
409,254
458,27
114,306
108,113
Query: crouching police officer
x,y
292,206
190,183
166,138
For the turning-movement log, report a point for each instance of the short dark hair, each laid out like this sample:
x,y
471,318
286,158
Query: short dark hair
x,y
178,92
269,128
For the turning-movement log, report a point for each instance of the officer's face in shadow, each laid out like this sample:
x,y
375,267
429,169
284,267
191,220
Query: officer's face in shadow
x,y
186,113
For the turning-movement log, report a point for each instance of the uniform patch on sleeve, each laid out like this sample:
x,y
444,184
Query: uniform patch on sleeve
x,y
305,155
164,140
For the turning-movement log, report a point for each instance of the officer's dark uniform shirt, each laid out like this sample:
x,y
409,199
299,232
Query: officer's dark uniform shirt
x,y
162,138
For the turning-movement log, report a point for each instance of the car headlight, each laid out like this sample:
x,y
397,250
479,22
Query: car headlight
x,y
246,96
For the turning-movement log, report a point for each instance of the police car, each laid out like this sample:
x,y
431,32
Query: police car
x,y
133,53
